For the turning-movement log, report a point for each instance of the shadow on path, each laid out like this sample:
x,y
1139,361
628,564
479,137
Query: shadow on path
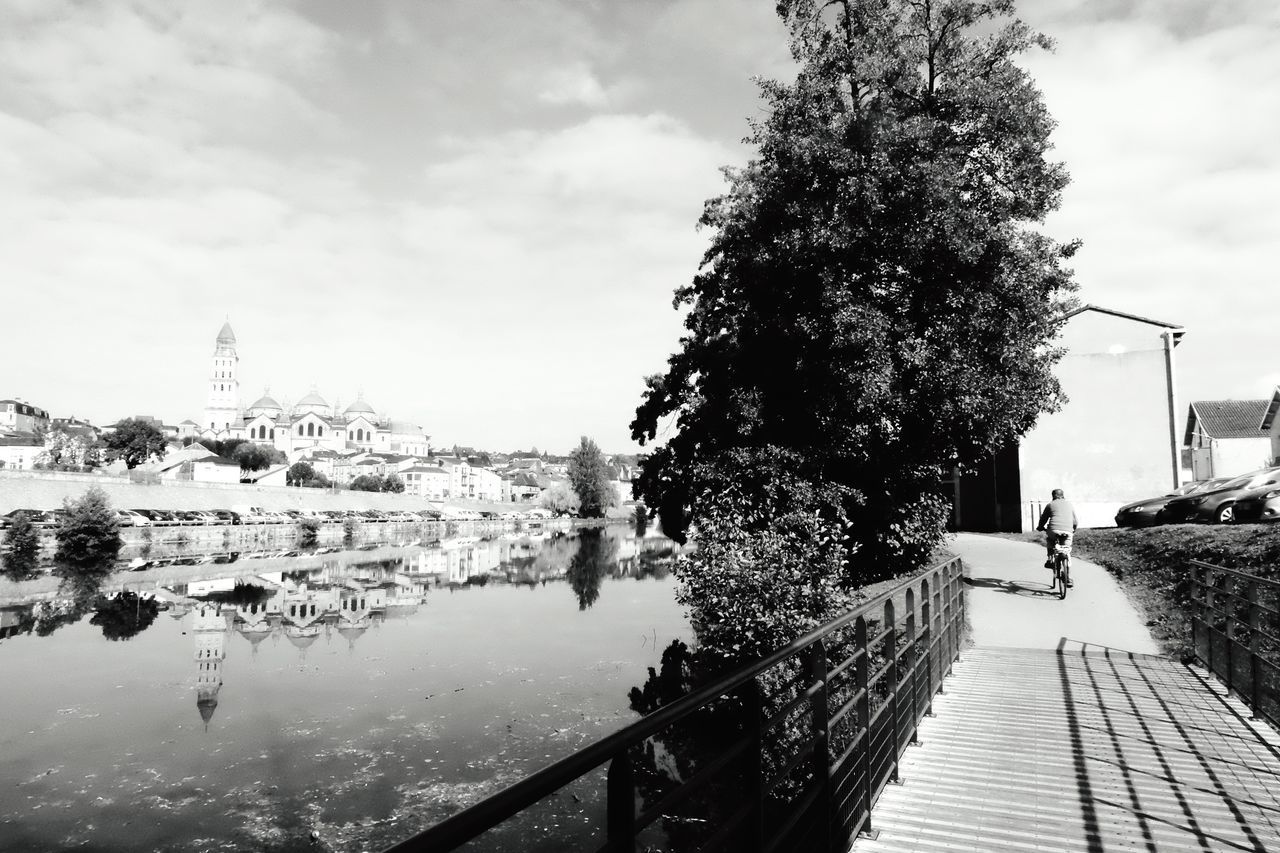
x,y
1082,748
1011,587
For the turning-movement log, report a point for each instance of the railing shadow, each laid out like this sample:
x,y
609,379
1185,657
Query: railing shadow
x,y
1145,758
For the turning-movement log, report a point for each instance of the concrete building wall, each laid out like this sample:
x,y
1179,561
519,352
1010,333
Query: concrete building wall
x,y
1110,444
1232,456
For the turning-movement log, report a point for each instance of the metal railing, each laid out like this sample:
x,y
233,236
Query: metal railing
x,y
1235,634
804,741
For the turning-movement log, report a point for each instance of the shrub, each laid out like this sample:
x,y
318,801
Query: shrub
x,y
308,532
22,544
88,536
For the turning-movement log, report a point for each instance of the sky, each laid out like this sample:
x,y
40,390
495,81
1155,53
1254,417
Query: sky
x,y
476,213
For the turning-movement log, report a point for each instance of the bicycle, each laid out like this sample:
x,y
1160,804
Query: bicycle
x,y
1061,564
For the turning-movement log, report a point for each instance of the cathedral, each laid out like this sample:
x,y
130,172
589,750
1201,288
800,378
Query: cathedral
x,y
309,425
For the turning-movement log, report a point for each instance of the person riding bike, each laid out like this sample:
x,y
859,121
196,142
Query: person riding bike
x,y
1059,517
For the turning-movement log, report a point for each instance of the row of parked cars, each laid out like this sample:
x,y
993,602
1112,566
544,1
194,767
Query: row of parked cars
x,y
1249,497
239,515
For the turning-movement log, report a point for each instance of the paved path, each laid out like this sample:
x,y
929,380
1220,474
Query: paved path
x,y
1010,605
1058,733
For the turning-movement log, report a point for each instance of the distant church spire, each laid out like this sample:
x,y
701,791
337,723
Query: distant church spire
x,y
222,405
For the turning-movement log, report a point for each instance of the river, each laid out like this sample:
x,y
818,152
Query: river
x,y
334,701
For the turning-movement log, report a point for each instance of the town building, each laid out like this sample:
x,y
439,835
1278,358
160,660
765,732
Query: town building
x,y
1225,438
18,452
19,416
427,481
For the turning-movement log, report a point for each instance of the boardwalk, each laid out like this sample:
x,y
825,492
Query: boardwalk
x,y
1078,747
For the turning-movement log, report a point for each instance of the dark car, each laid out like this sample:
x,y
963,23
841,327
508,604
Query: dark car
x,y
1147,512
224,516
38,517
1259,505
1218,504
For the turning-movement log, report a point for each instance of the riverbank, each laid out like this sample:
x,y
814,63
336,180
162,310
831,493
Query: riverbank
x,y
50,489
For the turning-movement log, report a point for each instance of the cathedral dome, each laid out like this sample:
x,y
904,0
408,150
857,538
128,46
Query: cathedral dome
x,y
360,407
313,402
266,404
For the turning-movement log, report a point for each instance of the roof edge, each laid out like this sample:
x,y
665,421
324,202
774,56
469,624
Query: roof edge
x,y
1176,327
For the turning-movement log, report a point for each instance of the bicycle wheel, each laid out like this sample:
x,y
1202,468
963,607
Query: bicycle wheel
x,y
1060,570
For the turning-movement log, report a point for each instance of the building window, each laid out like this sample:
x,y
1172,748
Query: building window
x,y
311,430
273,434
299,429
321,431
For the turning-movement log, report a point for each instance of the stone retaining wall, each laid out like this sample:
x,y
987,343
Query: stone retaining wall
x,y
48,490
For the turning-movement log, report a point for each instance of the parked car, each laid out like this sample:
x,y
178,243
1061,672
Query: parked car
x,y
1258,505
251,514
1218,504
223,516
1147,512
129,518
38,517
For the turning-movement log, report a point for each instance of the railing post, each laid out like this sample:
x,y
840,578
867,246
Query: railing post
x,y
890,647
820,723
1207,616
940,628
926,640
1255,625
909,650
621,809
957,575
753,707
863,706
1229,588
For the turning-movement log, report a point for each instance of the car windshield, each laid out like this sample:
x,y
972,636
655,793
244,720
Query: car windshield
x,y
1237,483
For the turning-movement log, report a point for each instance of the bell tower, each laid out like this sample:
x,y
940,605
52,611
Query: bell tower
x,y
222,406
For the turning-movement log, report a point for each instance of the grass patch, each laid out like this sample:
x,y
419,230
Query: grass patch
x,y
1152,565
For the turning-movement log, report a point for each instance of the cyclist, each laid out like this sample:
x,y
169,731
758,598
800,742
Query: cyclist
x,y
1059,516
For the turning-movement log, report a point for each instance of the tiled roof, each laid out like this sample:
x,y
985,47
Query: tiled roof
x,y
1228,418
426,469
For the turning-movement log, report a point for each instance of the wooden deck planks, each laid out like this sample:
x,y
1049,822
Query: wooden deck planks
x,y
1097,751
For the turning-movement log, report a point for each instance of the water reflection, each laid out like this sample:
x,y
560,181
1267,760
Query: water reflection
x,y
327,594
596,552
349,696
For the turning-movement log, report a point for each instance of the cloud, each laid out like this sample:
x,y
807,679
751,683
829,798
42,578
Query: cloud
x,y
1165,121
572,84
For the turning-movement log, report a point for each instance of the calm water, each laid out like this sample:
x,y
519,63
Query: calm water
x,y
338,701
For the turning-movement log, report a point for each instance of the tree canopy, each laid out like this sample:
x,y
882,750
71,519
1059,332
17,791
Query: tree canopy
x,y
256,457
877,304
135,441
591,480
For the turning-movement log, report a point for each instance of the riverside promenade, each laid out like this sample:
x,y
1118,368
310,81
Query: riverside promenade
x,y
1063,729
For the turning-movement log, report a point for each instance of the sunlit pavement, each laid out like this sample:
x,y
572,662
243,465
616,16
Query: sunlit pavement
x,y
1010,604
1060,730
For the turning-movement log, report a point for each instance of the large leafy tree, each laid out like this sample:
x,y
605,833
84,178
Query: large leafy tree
x,y
256,457
877,303
135,441
590,476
